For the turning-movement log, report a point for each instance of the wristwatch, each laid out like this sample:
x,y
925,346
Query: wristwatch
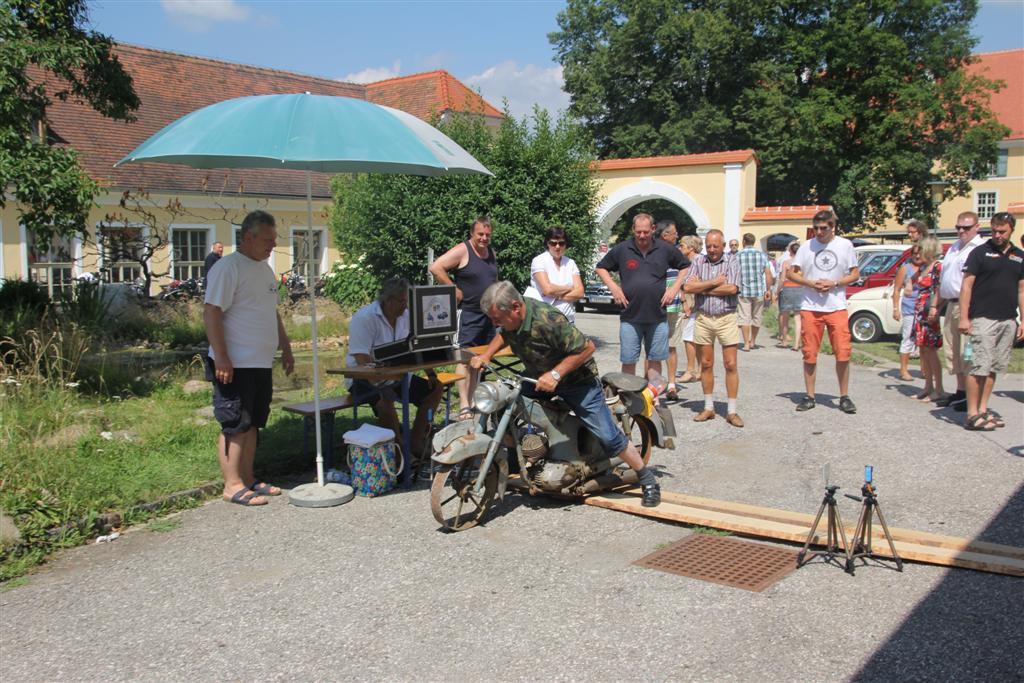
x,y
556,375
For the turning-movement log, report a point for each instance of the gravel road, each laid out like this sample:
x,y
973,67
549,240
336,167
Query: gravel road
x,y
546,589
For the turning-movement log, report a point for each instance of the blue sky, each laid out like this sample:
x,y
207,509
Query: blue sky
x,y
498,46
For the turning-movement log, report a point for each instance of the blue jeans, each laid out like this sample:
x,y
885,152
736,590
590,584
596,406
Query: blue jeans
x,y
653,335
587,400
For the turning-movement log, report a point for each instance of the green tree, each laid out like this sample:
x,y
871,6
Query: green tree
x,y
863,105
45,52
542,178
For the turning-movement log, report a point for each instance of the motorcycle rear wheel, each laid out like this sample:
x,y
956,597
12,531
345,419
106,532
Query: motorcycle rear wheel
x,y
640,433
452,501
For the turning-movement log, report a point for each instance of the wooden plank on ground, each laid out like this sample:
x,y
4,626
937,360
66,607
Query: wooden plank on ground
x,y
797,532
910,536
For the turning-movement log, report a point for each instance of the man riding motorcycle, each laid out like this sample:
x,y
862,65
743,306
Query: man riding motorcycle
x,y
557,354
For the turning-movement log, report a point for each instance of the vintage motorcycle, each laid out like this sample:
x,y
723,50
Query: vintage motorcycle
x,y
556,452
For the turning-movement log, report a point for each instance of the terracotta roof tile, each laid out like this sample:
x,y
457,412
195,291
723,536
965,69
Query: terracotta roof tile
x,y
774,213
171,85
734,156
427,94
1016,208
1008,103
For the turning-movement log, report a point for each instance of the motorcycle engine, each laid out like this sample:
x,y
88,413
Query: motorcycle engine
x,y
534,446
553,475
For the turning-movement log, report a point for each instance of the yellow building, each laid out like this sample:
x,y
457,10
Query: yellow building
x,y
179,212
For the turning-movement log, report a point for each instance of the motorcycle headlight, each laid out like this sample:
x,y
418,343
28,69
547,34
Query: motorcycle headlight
x,y
490,397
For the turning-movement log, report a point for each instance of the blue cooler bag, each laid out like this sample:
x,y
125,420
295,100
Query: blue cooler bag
x,y
374,460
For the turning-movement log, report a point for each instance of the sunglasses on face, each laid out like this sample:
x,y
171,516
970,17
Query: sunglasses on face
x,y
556,243
820,228
965,227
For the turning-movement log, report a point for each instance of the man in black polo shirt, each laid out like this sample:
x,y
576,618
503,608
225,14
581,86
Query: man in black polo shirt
x,y
642,263
992,293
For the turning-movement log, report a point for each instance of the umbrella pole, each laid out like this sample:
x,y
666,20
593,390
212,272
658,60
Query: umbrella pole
x,y
311,288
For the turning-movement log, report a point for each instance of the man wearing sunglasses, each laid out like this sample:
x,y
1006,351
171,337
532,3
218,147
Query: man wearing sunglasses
x,y
824,266
949,291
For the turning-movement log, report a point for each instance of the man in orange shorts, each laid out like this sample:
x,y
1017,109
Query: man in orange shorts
x,y
824,266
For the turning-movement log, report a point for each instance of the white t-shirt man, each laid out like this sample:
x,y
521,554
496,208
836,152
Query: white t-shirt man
x,y
545,263
953,267
368,328
246,290
831,261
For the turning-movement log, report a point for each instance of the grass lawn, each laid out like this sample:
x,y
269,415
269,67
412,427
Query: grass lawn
x,y
71,456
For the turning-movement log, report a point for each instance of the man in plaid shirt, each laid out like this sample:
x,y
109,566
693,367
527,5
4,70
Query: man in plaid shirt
x,y
714,278
756,283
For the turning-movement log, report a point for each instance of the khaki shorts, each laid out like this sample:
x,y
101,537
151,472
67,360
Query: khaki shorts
x,y
721,327
951,346
991,344
749,310
676,323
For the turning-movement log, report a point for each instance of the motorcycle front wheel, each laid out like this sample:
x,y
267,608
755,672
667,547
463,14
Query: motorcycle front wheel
x,y
452,500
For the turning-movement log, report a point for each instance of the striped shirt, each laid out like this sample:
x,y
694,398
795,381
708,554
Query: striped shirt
x,y
752,264
703,270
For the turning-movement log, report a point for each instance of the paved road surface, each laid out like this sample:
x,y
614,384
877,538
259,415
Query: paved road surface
x,y
546,590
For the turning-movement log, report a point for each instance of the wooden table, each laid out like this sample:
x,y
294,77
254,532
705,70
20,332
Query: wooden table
x,y
380,373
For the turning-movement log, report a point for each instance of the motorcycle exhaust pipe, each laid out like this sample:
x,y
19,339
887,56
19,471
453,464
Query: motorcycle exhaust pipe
x,y
610,480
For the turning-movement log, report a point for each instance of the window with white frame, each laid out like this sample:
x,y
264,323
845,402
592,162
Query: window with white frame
x,y
122,248
304,247
188,252
986,203
1002,163
52,268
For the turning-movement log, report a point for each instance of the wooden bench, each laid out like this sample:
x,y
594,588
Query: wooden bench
x,y
328,407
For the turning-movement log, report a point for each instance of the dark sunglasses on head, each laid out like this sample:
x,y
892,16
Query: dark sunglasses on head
x,y
556,243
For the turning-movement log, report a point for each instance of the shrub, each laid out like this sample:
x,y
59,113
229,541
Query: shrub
x,y
351,286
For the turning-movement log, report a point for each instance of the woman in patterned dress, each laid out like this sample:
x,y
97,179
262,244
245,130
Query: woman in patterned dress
x,y
925,256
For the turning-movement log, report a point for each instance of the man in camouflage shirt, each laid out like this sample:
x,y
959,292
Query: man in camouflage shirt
x,y
557,354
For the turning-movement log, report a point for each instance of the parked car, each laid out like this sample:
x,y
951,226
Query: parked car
x,y
596,295
869,301
877,260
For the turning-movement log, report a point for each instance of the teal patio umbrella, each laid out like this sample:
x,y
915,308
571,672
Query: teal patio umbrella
x,y
311,133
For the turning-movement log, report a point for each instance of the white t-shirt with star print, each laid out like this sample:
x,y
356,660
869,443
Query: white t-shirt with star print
x,y
830,261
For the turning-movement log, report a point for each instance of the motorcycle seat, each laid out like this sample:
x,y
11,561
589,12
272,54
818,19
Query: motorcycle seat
x,y
623,382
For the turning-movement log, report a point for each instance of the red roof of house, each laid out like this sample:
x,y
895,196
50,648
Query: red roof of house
x,y
1008,103
427,94
708,158
1016,208
169,86
775,213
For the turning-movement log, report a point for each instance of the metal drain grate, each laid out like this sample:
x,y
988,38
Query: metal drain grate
x,y
728,561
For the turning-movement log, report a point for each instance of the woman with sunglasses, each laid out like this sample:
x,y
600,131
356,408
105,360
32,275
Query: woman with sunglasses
x,y
554,277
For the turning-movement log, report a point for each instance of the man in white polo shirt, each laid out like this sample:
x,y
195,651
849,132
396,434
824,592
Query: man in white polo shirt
x,y
387,320
949,291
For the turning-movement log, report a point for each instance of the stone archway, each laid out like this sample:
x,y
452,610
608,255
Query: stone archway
x,y
619,201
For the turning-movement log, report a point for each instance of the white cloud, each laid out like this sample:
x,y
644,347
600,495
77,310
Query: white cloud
x,y
199,15
372,74
523,87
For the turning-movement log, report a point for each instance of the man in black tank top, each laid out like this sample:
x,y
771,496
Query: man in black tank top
x,y
476,268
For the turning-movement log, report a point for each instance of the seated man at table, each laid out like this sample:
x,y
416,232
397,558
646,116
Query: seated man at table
x,y
387,320
557,354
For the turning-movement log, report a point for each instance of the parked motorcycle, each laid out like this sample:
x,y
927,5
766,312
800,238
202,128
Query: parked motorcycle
x,y
182,289
295,284
556,452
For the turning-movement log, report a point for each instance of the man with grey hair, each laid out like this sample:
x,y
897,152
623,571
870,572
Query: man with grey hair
x,y
244,331
383,321
560,358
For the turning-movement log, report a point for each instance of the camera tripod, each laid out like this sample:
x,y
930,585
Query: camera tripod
x,y
835,531
861,546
